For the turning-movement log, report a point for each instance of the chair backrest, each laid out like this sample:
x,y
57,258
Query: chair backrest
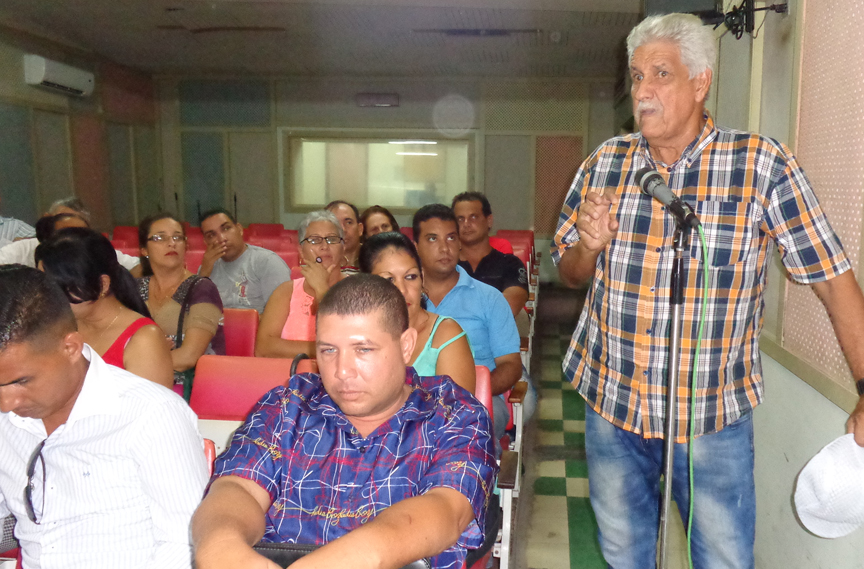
x,y
501,244
241,329
483,388
291,235
193,260
296,273
227,387
291,258
273,242
195,241
408,231
262,229
126,233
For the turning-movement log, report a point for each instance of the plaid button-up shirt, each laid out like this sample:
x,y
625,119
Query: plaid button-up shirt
x,y
748,191
325,479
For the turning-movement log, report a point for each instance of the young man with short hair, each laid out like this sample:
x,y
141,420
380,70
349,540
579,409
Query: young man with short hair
x,y
101,468
480,260
481,310
380,466
245,275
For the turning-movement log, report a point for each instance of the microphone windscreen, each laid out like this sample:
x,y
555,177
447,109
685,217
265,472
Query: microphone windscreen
x,y
644,176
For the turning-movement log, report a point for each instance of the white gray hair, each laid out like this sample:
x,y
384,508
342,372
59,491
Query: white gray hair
x,y
319,215
695,41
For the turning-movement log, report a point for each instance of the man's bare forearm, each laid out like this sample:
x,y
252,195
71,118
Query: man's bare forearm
x,y
228,517
845,306
416,528
505,375
577,265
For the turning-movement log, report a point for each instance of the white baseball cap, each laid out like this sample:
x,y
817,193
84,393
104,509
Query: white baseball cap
x,y
829,496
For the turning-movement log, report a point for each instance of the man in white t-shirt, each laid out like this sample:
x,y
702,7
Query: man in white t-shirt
x,y
100,467
245,275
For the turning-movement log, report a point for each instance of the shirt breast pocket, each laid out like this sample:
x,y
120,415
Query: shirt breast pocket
x,y
729,232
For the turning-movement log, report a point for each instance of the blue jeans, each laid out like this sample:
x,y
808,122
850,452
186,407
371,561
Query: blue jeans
x,y
624,479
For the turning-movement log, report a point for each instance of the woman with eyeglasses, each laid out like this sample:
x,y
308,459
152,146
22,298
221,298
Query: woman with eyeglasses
x,y
442,346
287,326
111,317
187,307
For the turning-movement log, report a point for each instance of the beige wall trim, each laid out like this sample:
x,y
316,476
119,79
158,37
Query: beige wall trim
x,y
834,392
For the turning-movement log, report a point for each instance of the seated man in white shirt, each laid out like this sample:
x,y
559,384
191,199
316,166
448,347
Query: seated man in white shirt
x,y
23,251
101,468
245,275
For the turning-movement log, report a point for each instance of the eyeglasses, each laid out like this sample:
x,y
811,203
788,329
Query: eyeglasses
x,y
159,238
28,490
316,240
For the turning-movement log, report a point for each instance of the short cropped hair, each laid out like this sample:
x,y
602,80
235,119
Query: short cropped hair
x,y
363,294
74,204
216,211
334,203
46,226
473,197
695,41
432,211
31,306
319,215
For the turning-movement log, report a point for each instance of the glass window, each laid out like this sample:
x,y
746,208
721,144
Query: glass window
x,y
398,173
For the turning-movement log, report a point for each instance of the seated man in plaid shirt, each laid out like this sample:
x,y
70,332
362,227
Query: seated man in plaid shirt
x,y
749,193
397,467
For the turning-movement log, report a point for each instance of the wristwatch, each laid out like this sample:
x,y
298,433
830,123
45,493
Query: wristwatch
x,y
860,385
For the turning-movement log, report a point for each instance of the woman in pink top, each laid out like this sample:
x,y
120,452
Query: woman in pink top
x,y
287,326
111,316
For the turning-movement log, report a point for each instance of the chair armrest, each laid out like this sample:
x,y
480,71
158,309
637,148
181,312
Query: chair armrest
x,y
509,466
523,344
296,361
517,393
284,554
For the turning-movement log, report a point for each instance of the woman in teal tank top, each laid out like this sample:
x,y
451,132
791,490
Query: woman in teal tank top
x,y
442,346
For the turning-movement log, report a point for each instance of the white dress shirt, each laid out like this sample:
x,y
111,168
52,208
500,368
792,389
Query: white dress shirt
x,y
123,476
23,252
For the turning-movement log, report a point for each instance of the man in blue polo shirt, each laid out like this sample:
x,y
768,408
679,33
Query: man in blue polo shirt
x,y
480,309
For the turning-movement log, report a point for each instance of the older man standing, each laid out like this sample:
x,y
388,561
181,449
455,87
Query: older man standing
x,y
749,193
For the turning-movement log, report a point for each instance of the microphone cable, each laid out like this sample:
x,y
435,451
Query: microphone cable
x,y
693,377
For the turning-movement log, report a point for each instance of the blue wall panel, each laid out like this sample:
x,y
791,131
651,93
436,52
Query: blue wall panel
x,y
17,184
203,173
224,103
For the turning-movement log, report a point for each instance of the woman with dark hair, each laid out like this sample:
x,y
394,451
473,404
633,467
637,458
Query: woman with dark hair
x,y
442,346
187,307
111,316
377,219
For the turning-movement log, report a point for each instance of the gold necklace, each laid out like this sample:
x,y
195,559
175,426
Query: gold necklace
x,y
105,329
160,298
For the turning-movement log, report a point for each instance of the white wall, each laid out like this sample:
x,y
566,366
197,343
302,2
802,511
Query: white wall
x,y
791,426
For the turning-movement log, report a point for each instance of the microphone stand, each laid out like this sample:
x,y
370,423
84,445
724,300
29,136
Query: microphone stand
x,y
682,239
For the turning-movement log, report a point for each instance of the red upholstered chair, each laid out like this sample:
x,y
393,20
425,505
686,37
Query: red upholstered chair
x,y
295,272
210,454
501,244
193,260
125,233
227,387
262,229
291,236
241,329
195,241
408,231
291,258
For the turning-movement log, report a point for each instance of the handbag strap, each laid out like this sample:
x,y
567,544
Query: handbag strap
x,y
184,307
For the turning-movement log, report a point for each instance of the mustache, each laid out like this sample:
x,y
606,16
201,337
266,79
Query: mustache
x,y
643,106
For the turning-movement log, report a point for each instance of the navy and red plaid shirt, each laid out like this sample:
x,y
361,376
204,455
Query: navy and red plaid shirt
x,y
749,192
325,479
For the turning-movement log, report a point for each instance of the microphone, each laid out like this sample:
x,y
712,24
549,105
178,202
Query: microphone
x,y
652,184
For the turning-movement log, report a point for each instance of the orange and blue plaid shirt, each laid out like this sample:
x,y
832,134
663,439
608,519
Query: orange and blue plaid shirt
x,y
749,192
325,479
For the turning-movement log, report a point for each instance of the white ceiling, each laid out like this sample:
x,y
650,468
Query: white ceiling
x,y
496,38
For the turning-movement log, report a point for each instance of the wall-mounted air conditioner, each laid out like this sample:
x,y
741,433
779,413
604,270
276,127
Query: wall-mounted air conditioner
x,y
57,76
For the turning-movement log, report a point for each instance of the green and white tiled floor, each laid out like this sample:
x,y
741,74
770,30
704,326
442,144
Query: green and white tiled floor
x,y
556,527
562,533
